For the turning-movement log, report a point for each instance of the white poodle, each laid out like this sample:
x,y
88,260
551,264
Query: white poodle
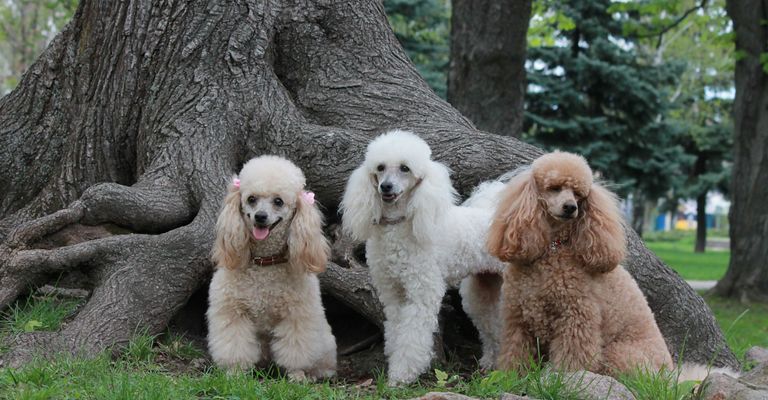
x,y
419,242
265,297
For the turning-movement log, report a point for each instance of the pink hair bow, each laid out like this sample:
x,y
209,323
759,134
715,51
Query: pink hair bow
x,y
308,197
236,182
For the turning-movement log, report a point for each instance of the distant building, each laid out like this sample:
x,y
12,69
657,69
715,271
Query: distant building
x,y
684,218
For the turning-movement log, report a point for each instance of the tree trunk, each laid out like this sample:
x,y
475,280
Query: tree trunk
x,y
140,111
486,78
638,213
747,275
701,223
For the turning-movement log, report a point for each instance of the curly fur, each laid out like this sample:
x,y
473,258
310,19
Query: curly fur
x,y
564,292
431,244
257,311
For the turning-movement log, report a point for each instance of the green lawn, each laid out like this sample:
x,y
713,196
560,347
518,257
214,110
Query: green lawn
x,y
676,250
163,368
744,325
131,378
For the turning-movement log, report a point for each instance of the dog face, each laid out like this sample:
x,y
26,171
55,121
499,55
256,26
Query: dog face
x,y
266,204
397,165
262,212
562,202
558,192
562,184
393,181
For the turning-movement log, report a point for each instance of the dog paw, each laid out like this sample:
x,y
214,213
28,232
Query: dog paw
x,y
394,383
400,380
298,376
487,362
324,373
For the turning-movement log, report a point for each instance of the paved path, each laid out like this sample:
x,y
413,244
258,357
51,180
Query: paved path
x,y
702,285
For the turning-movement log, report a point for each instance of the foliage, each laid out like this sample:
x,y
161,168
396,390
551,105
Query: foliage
x,y
698,34
547,21
423,29
591,93
26,28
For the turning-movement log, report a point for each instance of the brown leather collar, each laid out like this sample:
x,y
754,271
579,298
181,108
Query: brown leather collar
x,y
270,260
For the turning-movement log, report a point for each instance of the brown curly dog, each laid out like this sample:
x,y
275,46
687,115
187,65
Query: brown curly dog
x,y
565,295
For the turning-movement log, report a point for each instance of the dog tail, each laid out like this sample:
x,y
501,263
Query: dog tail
x,y
487,194
698,372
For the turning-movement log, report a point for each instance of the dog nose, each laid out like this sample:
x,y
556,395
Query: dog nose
x,y
260,217
386,187
569,209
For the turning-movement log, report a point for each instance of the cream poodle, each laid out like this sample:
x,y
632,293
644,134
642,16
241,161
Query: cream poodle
x,y
265,296
564,293
417,243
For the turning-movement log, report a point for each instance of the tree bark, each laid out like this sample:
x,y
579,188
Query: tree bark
x,y
747,275
638,213
486,77
140,111
701,223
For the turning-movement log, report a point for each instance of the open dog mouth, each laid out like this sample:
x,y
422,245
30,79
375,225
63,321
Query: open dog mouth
x,y
261,232
389,197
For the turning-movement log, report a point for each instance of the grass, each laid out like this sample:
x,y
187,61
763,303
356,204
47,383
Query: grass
x,y
676,250
37,314
744,325
148,369
130,378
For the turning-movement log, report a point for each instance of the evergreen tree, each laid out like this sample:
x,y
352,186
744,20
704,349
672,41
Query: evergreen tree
x,y
698,33
423,29
590,93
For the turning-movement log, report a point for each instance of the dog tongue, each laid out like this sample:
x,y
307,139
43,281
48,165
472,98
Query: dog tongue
x,y
260,233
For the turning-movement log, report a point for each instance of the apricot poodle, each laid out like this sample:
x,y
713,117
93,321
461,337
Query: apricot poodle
x,y
565,297
264,298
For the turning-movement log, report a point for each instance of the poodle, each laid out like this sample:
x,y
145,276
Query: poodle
x,y
264,297
564,293
417,243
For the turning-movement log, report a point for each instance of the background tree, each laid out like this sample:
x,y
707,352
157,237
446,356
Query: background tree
x,y
590,93
747,275
486,80
26,27
698,34
115,149
422,27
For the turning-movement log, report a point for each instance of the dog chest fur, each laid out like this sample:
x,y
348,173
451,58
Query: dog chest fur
x,y
266,294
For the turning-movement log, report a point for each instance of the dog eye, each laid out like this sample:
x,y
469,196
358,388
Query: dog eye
x,y
555,188
251,199
278,201
404,168
380,167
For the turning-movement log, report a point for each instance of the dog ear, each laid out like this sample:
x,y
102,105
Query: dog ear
x,y
599,240
361,205
308,248
230,250
431,198
519,231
